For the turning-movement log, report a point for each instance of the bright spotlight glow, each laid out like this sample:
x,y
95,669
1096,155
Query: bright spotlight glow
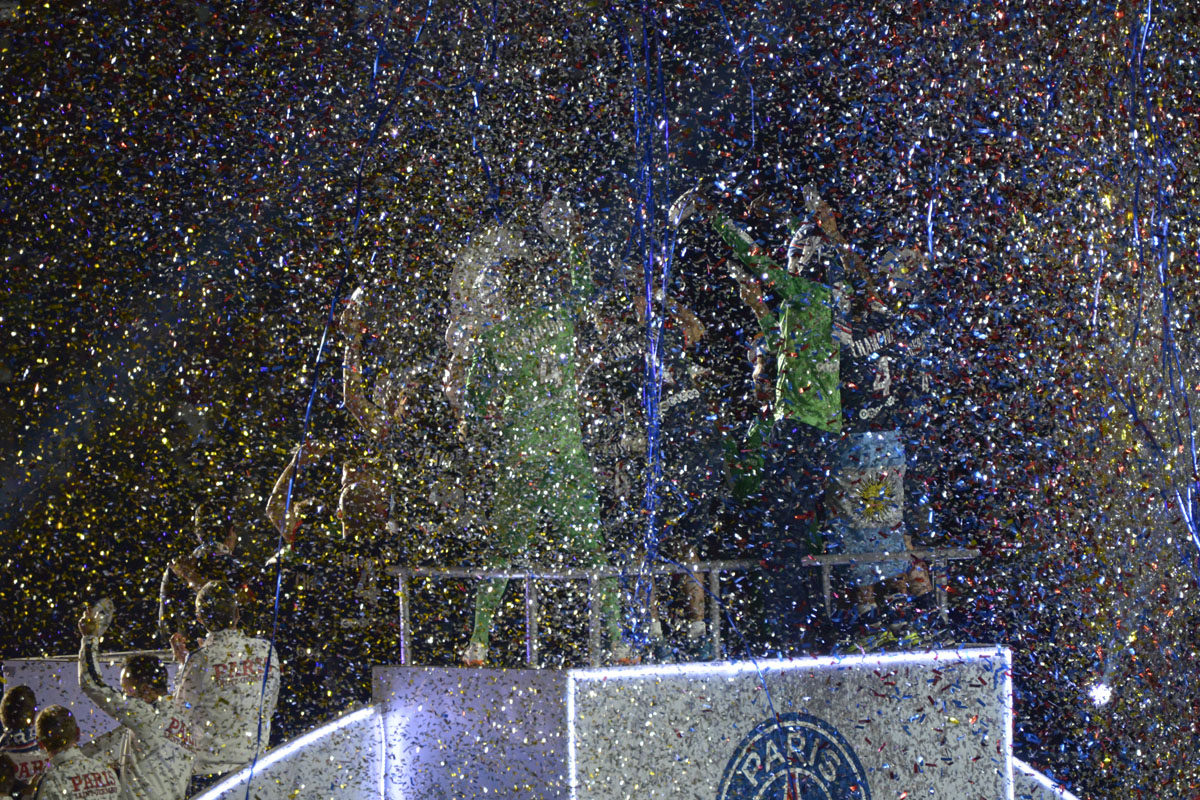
x,y
1100,693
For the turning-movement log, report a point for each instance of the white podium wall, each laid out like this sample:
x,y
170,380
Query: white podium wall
x,y
930,725
55,681
465,733
933,725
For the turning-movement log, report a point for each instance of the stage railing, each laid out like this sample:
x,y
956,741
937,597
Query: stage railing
x,y
937,560
530,576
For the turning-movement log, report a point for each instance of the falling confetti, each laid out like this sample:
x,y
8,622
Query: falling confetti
x,y
192,193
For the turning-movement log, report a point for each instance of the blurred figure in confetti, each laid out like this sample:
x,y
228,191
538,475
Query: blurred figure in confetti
x,y
835,457
324,599
878,381
692,458
19,740
214,558
368,502
227,688
614,420
512,373
300,523
368,505
693,466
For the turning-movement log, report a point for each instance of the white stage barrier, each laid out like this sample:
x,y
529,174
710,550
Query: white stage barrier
x,y
933,725
55,681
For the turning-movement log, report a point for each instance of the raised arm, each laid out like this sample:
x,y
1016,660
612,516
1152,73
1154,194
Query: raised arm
x,y
828,223
693,328
129,712
560,222
751,293
454,379
277,502
745,250
371,418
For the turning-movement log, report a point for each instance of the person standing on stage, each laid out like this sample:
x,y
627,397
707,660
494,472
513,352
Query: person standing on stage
x,y
367,502
324,602
835,456
693,467
513,374
227,688
152,747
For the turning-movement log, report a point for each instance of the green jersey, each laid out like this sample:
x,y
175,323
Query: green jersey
x,y
799,333
523,378
523,372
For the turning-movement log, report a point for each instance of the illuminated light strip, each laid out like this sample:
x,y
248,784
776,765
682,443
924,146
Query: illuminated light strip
x,y
1042,780
735,668
280,753
383,750
1006,697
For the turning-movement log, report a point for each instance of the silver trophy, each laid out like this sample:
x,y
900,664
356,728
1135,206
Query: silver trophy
x,y
101,613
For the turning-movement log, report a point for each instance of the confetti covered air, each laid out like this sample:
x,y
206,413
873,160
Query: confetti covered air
x,y
312,296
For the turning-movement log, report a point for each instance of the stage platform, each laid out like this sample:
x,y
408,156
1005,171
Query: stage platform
x,y
931,725
935,724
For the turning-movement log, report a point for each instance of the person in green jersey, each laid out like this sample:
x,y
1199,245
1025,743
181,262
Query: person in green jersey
x,y
803,315
513,374
798,318
835,461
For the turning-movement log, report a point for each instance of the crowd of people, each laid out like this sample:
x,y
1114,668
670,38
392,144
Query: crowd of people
x,y
571,398
166,743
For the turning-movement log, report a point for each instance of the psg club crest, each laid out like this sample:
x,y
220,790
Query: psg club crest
x,y
794,757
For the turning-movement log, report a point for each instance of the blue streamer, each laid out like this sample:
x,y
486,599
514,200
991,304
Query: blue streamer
x,y
319,358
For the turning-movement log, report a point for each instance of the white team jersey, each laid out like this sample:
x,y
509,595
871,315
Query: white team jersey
x,y
220,688
29,759
151,748
71,775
